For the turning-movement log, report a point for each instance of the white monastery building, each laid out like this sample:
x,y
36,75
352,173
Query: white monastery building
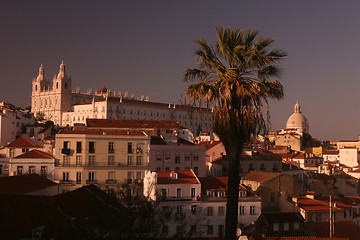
x,y
60,104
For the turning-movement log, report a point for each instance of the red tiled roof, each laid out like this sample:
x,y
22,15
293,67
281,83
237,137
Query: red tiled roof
x,y
309,204
331,152
260,176
100,132
209,144
215,183
35,154
126,123
22,142
184,177
24,184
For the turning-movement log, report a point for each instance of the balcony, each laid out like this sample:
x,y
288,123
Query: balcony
x,y
67,182
110,181
91,181
99,164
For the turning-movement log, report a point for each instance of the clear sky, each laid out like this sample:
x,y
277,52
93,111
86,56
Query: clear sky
x,y
144,47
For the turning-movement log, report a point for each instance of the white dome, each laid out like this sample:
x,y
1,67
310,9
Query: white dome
x,y
297,120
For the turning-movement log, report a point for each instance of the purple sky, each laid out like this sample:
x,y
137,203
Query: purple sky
x,y
144,47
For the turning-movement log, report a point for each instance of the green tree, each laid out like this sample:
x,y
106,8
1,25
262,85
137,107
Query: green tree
x,y
235,76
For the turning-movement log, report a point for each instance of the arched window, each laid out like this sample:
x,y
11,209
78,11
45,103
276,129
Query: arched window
x,y
35,88
57,85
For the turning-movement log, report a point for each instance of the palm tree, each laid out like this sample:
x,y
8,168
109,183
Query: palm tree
x,y
235,77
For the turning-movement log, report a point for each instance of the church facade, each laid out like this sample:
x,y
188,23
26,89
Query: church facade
x,y
66,107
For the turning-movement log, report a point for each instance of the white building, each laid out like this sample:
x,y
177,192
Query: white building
x,y
349,156
11,121
31,162
66,107
297,120
198,204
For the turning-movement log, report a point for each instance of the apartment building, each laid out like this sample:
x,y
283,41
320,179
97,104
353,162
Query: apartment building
x,y
104,158
198,205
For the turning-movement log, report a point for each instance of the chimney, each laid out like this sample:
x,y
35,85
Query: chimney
x,y
310,194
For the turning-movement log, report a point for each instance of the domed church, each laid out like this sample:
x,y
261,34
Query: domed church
x,y
297,120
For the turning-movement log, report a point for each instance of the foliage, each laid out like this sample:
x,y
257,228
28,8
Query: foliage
x,y
235,77
39,116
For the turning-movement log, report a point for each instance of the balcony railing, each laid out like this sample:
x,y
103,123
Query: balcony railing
x,y
91,181
98,164
110,181
67,182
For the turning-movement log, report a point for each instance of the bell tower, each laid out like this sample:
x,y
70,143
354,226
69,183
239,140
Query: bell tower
x,y
62,93
40,86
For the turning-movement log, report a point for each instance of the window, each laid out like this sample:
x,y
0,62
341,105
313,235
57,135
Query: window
x,y
25,150
78,147
111,160
91,147
262,167
111,176
196,170
193,192
130,150
210,230
221,211
196,157
296,225
91,176
272,196
78,177
221,231
241,210
275,167
66,160
158,169
139,148
177,157
251,167
111,147
129,161
167,169
65,176
193,209
178,193
158,156
252,210
187,156
31,169
130,177
91,160
12,152
139,175
78,160
43,171
66,145
0,169
139,161
275,227
179,209
286,226
242,193
167,157
209,211
163,193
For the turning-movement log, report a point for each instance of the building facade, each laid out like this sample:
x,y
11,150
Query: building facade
x,y
104,158
60,104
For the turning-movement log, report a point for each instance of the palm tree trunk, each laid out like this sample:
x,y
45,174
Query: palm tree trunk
x,y
232,194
